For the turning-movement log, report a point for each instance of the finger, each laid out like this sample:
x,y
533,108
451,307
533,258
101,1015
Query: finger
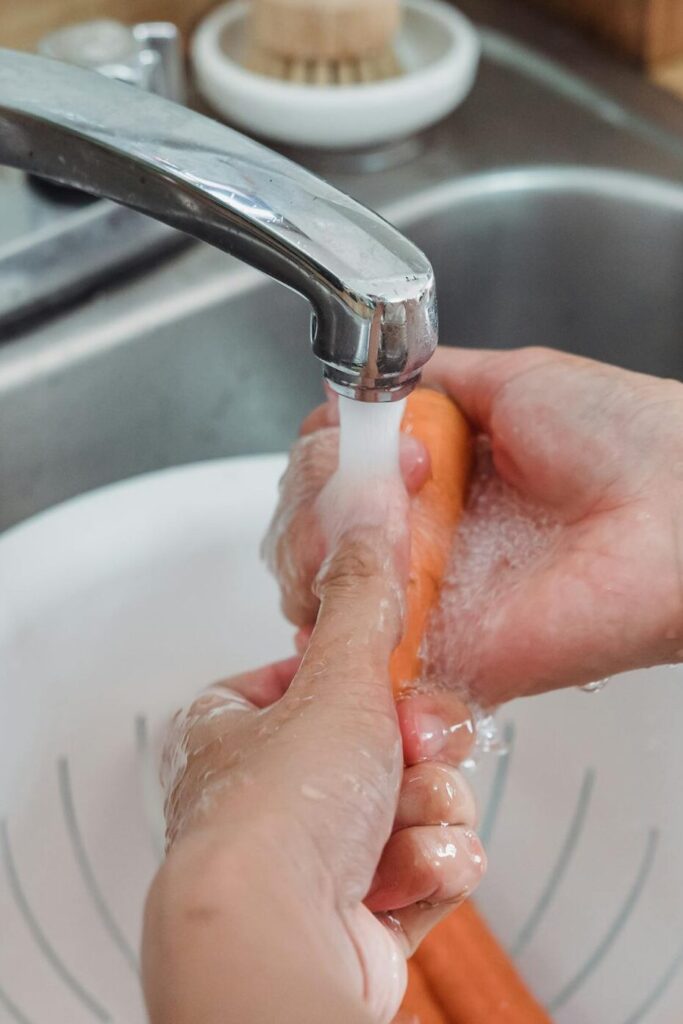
x,y
358,626
474,377
210,716
435,794
263,686
346,726
324,415
294,547
435,727
344,759
431,865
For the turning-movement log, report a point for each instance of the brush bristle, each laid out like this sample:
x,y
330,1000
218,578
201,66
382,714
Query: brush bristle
x,y
324,30
372,68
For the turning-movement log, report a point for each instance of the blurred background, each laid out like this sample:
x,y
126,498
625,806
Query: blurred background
x,y
534,152
647,33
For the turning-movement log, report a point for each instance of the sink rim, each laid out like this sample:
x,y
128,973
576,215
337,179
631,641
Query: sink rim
x,y
604,182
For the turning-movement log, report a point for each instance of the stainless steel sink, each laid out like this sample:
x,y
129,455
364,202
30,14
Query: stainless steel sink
x,y
582,260
548,218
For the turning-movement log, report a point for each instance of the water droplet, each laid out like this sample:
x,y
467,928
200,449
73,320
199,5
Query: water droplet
x,y
488,739
595,687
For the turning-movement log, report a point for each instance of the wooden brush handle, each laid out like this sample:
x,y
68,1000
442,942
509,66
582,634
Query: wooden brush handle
x,y
323,30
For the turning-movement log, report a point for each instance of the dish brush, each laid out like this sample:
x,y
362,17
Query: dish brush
x,y
324,42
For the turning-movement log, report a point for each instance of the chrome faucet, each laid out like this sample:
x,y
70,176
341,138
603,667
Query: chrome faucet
x,y
374,322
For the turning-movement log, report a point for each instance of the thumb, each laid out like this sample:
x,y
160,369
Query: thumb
x,y
347,734
344,677
361,588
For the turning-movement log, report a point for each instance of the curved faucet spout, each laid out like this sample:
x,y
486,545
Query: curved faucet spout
x,y
372,291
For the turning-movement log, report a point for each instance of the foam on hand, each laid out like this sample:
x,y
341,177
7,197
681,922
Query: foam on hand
x,y
501,536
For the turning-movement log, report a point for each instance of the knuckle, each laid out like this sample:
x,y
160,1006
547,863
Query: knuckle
x,y
361,560
356,561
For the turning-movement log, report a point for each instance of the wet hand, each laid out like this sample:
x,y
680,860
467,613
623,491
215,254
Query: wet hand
x,y
600,450
296,830
592,450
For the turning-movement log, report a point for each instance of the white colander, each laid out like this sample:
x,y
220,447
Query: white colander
x,y
115,608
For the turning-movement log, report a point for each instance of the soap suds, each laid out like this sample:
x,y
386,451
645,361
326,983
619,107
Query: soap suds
x,y
500,537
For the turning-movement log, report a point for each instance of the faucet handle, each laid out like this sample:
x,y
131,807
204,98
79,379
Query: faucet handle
x,y
148,55
163,38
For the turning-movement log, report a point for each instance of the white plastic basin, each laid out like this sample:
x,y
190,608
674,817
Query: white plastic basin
x,y
117,607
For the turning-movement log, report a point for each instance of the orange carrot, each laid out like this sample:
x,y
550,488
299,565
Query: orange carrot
x,y
471,977
460,974
419,1003
436,421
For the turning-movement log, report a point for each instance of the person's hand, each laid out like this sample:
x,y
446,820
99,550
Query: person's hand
x,y
600,449
307,860
594,450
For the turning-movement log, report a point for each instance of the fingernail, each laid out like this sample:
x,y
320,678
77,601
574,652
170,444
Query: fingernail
x,y
415,462
475,849
432,733
435,736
